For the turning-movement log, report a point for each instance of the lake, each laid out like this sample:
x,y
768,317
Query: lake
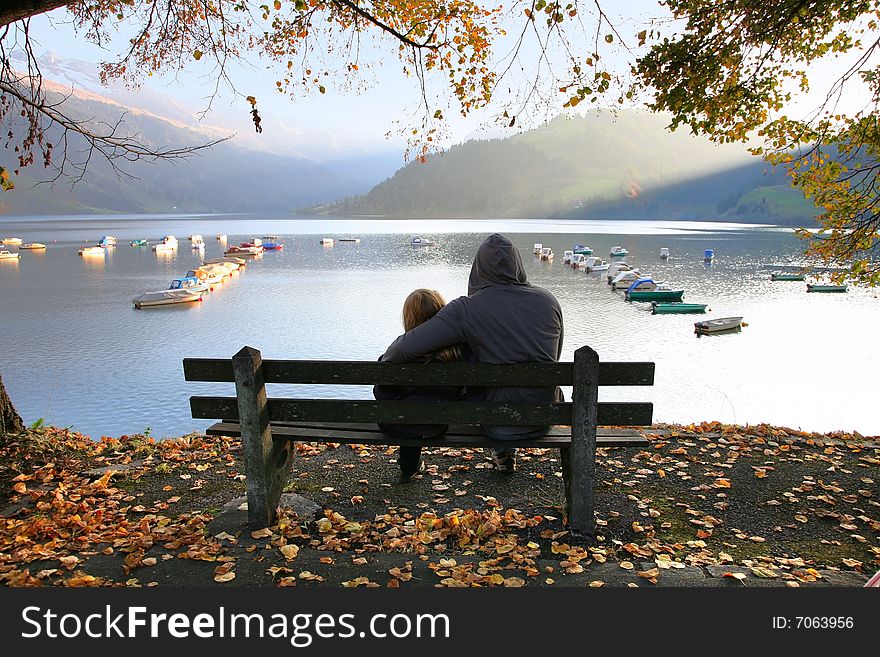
x,y
76,353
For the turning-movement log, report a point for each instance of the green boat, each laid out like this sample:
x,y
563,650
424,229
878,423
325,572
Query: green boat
x,y
139,242
787,277
583,250
655,295
666,308
812,287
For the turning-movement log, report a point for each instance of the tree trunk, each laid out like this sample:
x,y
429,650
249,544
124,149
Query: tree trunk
x,y
16,10
10,421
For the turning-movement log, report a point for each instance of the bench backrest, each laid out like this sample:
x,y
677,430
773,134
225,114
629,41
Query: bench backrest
x,y
267,460
585,374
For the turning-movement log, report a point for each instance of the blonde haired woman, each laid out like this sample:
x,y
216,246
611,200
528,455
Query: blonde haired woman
x,y
420,306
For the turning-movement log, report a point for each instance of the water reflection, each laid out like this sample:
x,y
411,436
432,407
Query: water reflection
x,y
343,302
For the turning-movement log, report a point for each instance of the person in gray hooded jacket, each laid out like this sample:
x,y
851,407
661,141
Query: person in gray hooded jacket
x,y
504,319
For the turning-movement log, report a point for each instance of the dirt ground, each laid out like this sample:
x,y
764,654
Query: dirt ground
x,y
702,505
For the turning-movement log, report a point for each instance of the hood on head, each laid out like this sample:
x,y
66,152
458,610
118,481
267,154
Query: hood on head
x,y
497,263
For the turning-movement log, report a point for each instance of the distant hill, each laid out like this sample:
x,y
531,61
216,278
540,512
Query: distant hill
x,y
599,166
225,178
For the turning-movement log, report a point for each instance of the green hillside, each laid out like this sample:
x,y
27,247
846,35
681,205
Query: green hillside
x,y
602,165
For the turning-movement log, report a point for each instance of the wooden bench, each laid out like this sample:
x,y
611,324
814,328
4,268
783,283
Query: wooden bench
x,y
269,426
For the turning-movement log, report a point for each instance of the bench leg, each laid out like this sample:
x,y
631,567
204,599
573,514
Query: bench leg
x,y
581,460
267,462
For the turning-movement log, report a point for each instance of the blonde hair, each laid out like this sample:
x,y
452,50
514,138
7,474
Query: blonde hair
x,y
420,306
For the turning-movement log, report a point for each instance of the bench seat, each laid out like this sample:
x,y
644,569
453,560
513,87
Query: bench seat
x,y
457,436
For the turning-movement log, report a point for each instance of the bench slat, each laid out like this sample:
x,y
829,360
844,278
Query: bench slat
x,y
428,411
455,374
458,436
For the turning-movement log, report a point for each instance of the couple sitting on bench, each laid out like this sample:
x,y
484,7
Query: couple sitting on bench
x,y
503,320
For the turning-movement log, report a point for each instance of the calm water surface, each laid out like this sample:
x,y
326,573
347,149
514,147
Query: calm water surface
x,y
75,351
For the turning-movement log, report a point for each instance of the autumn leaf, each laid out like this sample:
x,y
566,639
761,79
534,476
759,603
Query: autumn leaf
x,y
289,551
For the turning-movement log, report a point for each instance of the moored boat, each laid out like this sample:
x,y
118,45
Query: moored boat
x,y
547,253
138,242
221,237
577,260
816,287
165,297
231,260
624,279
421,241
92,251
356,240
168,243
190,283
618,251
583,250
12,241
33,246
271,243
645,289
566,257
615,267
787,277
244,251
594,264
718,325
6,254
708,255
664,253
537,248
107,240
661,308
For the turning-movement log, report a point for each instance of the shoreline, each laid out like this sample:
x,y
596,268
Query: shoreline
x,y
704,505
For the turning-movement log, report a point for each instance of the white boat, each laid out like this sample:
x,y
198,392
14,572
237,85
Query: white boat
x,y
577,260
107,240
664,253
12,241
538,248
244,251
5,254
165,297
718,325
168,243
92,251
615,267
197,240
190,283
594,264
221,237
210,277
546,253
618,252
421,241
32,246
232,261
624,279
566,257
328,241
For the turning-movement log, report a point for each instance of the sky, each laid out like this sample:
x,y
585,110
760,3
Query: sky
x,y
347,124
324,127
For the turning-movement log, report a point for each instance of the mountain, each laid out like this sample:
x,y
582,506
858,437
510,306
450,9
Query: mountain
x,y
224,178
599,166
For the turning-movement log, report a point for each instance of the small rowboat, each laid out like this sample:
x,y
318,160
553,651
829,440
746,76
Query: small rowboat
x,y
657,294
812,287
678,308
165,298
787,277
718,325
